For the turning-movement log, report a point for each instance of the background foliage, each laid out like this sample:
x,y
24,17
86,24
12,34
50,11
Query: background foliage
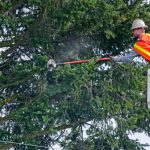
x,y
88,106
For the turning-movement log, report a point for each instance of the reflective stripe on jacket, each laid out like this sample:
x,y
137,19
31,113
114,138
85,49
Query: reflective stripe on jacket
x,y
142,46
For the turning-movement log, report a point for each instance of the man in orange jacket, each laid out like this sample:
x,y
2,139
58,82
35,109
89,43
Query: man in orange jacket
x,y
142,45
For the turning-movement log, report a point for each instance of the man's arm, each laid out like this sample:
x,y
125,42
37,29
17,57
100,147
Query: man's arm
x,y
126,58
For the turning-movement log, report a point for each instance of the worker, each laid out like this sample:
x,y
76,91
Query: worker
x,y
142,45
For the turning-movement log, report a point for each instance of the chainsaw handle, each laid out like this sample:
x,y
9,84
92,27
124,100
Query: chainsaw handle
x,y
81,61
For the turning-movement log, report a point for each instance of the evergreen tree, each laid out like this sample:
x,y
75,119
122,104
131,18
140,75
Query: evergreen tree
x,y
39,109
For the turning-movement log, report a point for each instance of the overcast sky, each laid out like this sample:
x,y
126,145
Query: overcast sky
x,y
144,139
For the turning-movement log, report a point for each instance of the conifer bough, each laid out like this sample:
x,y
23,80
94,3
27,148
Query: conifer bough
x,y
51,64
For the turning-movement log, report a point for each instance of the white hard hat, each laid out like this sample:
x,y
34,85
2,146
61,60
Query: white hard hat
x,y
138,23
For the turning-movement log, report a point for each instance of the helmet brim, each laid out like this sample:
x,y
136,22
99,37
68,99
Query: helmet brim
x,y
139,27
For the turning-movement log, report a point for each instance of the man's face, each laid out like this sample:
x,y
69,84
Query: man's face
x,y
137,32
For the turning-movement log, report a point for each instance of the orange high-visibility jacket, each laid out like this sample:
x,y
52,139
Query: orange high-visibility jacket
x,y
142,46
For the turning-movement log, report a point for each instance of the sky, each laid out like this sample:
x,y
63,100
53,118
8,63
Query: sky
x,y
143,139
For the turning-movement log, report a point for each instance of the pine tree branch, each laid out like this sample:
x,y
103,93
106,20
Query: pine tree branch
x,y
21,39
11,99
4,44
58,128
16,4
6,146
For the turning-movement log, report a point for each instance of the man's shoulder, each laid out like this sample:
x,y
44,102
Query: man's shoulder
x,y
145,37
